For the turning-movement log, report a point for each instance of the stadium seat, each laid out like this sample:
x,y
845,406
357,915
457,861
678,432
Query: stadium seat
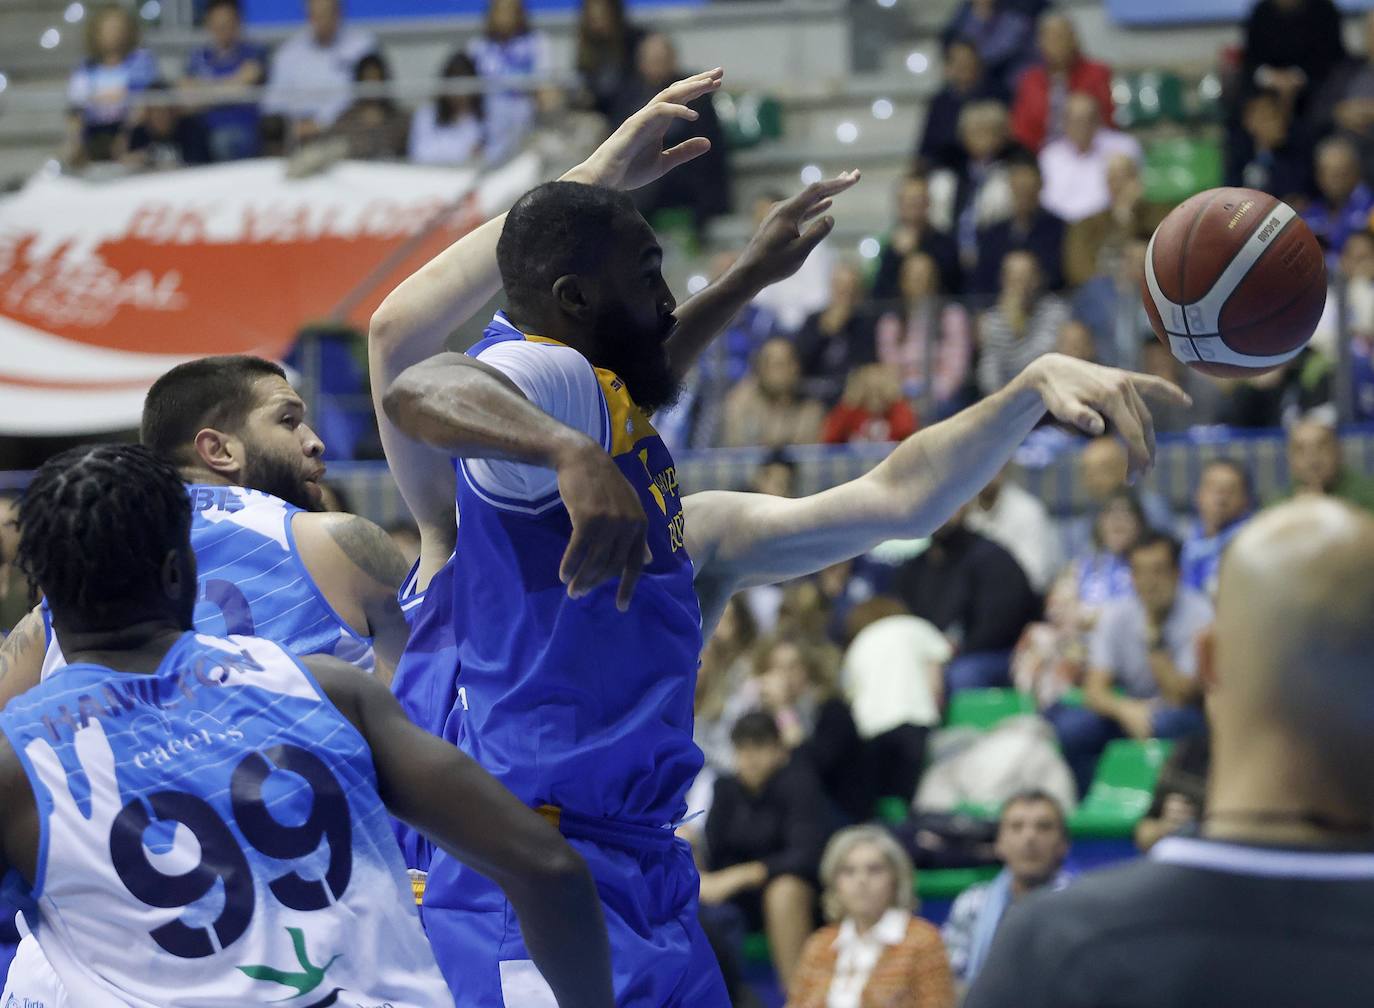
x,y
1122,790
748,119
756,948
947,883
984,708
891,809
1178,168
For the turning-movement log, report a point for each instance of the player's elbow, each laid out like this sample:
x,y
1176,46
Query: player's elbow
x,y
403,399
548,868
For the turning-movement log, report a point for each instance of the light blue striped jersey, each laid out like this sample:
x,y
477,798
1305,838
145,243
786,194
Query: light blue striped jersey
x,y
252,579
211,834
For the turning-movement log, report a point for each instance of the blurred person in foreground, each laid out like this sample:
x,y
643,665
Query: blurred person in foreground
x,y
1316,465
1013,517
1273,904
1032,843
218,76
875,951
1223,502
310,83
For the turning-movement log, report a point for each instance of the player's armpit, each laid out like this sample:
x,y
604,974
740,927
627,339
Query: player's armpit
x,y
21,657
19,824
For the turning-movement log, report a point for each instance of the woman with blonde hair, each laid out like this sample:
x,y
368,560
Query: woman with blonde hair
x,y
875,953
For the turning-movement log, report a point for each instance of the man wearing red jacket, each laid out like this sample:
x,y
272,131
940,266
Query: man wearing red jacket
x,y
1037,114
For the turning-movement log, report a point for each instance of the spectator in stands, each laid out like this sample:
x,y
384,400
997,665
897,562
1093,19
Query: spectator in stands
x,y
1110,302
838,338
705,190
765,834
1104,575
1290,46
976,593
978,195
928,340
219,74
605,52
101,90
16,598
1040,110
875,952
1180,798
1021,326
1076,340
793,298
1001,35
776,475
1101,472
766,407
1345,202
914,232
798,684
1283,396
509,47
1142,663
310,83
1316,465
1030,227
1075,164
375,129
1015,519
965,82
1224,500
1345,101
871,409
450,129
726,688
1266,156
1032,843
1171,418
1357,269
1096,244
165,137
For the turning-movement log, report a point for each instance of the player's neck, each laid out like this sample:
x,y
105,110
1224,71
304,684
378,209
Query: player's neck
x,y
533,323
1284,798
139,647
204,476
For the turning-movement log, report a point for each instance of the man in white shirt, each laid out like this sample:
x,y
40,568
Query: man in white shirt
x,y
1015,519
1075,165
311,80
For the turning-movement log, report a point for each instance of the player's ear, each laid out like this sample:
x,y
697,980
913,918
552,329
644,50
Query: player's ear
x,y
219,452
571,295
179,574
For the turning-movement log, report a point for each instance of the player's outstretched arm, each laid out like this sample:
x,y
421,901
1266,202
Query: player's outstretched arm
x,y
418,316
737,540
777,249
463,809
21,656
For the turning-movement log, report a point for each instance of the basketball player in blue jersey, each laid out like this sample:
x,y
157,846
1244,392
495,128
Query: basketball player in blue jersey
x,y
197,820
584,710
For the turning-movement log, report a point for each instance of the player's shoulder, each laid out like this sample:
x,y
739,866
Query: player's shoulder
x,y
325,539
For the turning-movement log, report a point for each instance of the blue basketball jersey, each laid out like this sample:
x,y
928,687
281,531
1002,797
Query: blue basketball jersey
x,y
252,579
570,702
211,834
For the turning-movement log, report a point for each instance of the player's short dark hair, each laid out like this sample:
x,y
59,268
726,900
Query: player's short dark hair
x,y
1035,795
557,229
757,728
1239,468
95,526
1153,538
209,392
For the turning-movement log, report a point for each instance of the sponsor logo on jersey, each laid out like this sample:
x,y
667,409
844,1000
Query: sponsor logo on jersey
x,y
303,981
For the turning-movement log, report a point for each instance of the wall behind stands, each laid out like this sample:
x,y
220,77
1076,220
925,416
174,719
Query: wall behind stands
x,y
1162,12
263,12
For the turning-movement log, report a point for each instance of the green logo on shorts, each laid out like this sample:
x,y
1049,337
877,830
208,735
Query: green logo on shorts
x,y
309,977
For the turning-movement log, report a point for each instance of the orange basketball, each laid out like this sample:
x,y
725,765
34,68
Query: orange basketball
x,y
1234,282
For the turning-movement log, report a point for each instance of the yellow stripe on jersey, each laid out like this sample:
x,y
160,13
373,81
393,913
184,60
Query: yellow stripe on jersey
x,y
629,425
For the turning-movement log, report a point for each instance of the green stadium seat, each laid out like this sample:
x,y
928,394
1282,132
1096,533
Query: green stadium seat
x,y
748,119
891,809
1178,168
984,708
1122,789
947,883
756,948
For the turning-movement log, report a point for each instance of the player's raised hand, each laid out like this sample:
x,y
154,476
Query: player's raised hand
x,y
1088,396
633,155
608,525
791,231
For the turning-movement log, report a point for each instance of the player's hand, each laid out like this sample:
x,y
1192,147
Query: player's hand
x,y
1089,396
633,155
783,241
608,524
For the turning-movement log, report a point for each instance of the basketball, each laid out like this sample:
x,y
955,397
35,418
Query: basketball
x,y
1234,282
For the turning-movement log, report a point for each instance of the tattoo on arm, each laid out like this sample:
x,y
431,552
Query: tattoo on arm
x,y
27,634
370,549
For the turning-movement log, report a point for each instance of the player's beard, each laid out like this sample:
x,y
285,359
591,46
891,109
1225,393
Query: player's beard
x,y
638,355
280,478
